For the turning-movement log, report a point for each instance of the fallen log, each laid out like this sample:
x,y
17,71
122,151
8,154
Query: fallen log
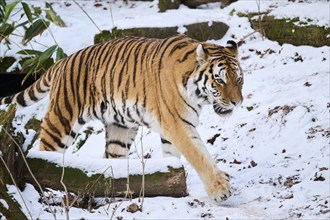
x,y
169,181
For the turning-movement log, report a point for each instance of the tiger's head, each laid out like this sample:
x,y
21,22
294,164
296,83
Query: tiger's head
x,y
221,76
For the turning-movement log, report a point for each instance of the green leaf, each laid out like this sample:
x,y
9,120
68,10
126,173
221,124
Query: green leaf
x,y
2,10
37,10
35,29
27,11
53,17
249,108
60,54
8,9
5,30
29,52
29,63
22,24
47,53
48,6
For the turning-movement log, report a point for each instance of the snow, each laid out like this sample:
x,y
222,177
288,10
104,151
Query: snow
x,y
93,164
4,203
275,146
318,12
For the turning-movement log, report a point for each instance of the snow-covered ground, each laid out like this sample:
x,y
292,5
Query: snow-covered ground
x,y
275,146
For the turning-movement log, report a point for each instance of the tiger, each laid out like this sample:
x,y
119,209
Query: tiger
x,y
129,82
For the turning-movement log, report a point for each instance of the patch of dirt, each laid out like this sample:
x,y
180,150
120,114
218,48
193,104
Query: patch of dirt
x,y
286,109
291,180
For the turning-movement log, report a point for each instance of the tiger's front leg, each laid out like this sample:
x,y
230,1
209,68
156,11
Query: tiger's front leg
x,y
187,140
118,140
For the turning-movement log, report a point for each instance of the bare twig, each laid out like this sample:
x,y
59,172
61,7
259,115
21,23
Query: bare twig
x,y
112,20
87,15
259,19
18,190
241,41
66,202
30,171
141,195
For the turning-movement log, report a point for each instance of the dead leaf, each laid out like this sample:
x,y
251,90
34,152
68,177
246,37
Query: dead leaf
x,y
133,208
253,163
212,140
235,162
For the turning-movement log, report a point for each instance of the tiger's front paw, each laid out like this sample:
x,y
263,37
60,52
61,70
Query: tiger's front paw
x,y
219,188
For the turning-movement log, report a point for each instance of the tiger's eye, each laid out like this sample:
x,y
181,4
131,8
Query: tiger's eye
x,y
220,81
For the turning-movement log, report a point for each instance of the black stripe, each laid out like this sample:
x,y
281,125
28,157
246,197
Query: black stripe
x,y
87,72
128,114
136,57
47,144
187,122
186,77
188,104
145,57
81,121
211,68
66,97
123,99
119,143
52,127
107,74
178,47
136,106
73,80
165,141
122,47
201,73
20,99
64,121
80,63
38,87
8,100
126,54
187,54
173,40
113,155
105,46
73,134
120,125
144,93
205,79
55,139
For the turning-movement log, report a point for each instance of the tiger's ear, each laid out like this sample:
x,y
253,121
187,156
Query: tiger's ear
x,y
232,47
202,55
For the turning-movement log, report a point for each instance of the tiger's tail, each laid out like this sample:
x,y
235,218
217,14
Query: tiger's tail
x,y
32,94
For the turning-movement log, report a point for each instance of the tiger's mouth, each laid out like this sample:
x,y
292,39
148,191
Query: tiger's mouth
x,y
222,111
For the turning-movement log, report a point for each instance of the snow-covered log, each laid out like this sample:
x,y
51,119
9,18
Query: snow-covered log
x,y
170,181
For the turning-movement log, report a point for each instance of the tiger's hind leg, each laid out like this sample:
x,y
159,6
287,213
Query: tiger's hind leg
x,y
168,149
58,131
118,140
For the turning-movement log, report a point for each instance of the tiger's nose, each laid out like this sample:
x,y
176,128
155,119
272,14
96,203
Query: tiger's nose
x,y
236,102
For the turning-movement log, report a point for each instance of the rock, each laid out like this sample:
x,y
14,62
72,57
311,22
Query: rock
x,y
164,5
287,31
200,31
